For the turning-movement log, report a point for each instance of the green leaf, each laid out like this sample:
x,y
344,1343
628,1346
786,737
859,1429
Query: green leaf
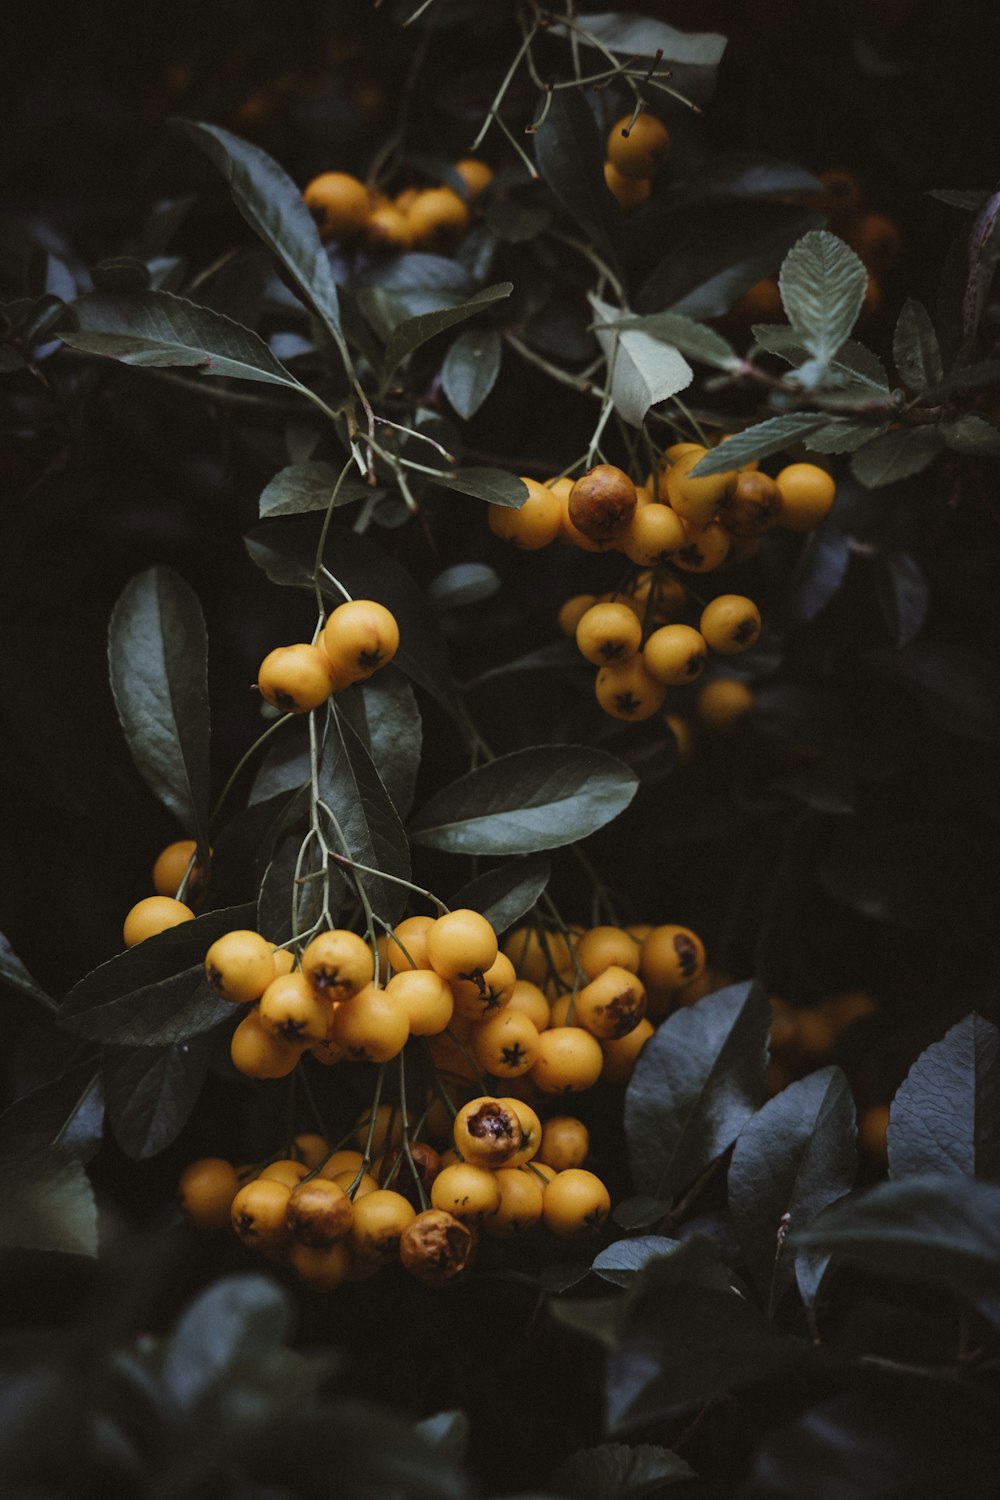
x,y
504,895
306,487
14,974
642,36
232,1327
855,370
569,152
933,1228
156,993
392,732
530,800
470,369
639,1212
413,333
691,338
67,1112
793,1158
151,1091
760,441
272,205
641,370
945,1116
494,485
46,1201
373,835
463,584
972,435
615,1471
696,1083
896,455
915,347
845,436
158,658
159,329
275,913
901,590
822,285
958,690
621,1262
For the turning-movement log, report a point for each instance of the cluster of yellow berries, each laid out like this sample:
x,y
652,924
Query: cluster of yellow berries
x,y
634,152
416,218
358,638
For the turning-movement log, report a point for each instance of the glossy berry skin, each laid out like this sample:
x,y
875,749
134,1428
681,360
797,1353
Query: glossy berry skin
x,y
608,634
641,152
569,1060
259,1053
468,1192
531,526
461,945
289,1172
730,624
206,1191
291,1009
705,549
426,999
240,965
620,1053
171,867
339,203
671,956
153,915
520,1204
486,996
565,1143
337,964
258,1214
602,946
379,1220
752,506
407,948
487,1132
675,655
506,1045
372,1027
573,611
527,999
611,1005
295,679
359,637
602,503
575,1204
697,499
436,1247
807,494
654,535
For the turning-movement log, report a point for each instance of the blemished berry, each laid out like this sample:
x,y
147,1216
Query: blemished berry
x,y
461,945
751,507
359,637
240,965
436,1248
675,655
532,525
671,956
153,915
565,1143
487,1132
602,503
339,203
531,1127
206,1191
575,1204
569,1060
425,998
338,963
467,1191
437,216
620,1053
319,1212
628,192
628,691
371,1027
295,679
730,624
724,703
697,499
611,1005
637,148
520,1205
807,494
171,867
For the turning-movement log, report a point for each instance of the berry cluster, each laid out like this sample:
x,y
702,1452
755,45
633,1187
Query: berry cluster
x,y
416,218
358,638
635,149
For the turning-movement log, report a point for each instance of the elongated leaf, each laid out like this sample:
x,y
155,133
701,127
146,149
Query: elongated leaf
x,y
936,1228
796,1156
621,1262
412,333
896,455
759,441
393,734
915,347
158,658
236,1324
527,801
569,152
151,1091
691,338
504,895
272,205
696,1083
972,435
369,824
494,485
155,993
615,1471
958,690
46,1202
855,370
845,436
470,369
160,329
67,1113
642,370
946,1113
823,285
14,974
306,487
901,589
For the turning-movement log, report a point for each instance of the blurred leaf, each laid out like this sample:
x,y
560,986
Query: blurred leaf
x,y
639,1211
896,455
463,584
901,589
945,1116
967,378
642,36
983,252
696,1082
822,285
793,1158
693,339
352,788
413,333
494,485
621,1262
971,199
971,435
818,574
309,486
642,370
151,1091
854,369
556,656
446,1432
158,328
273,207
14,974
957,689
570,152
504,895
530,800
934,1228
615,1471
909,874
156,993
235,1325
470,369
68,1113
915,348
158,658
759,441
46,1201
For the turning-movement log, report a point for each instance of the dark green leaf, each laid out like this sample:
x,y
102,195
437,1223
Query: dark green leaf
x,y
691,338
854,370
615,1471
967,378
642,36
158,658
494,485
896,455
156,993
310,486
556,656
14,974
569,152
285,767
46,1201
233,1326
915,348
845,436
957,689
901,589
368,822
151,1091
463,584
272,205
983,251
696,1083
796,1156
530,800
936,1228
639,1212
759,441
393,732
823,285
946,1113
68,1112
641,370
818,574
910,874
972,435
157,328
413,333
971,199
470,369
504,895
621,1262
275,898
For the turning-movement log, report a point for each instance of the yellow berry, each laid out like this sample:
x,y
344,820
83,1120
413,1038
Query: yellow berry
x,y
359,637
291,1009
339,203
675,655
608,633
259,1053
620,1053
654,533
476,175
807,493
153,915
697,499
206,1191
461,945
611,1005
424,997
724,703
506,1044
240,965
295,678
636,148
258,1214
730,624
628,192
569,1060
379,1221
532,525
565,1143
437,216
628,691
671,956
575,1204
487,1132
172,865
519,1207
469,1192
338,963
600,947
371,1027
